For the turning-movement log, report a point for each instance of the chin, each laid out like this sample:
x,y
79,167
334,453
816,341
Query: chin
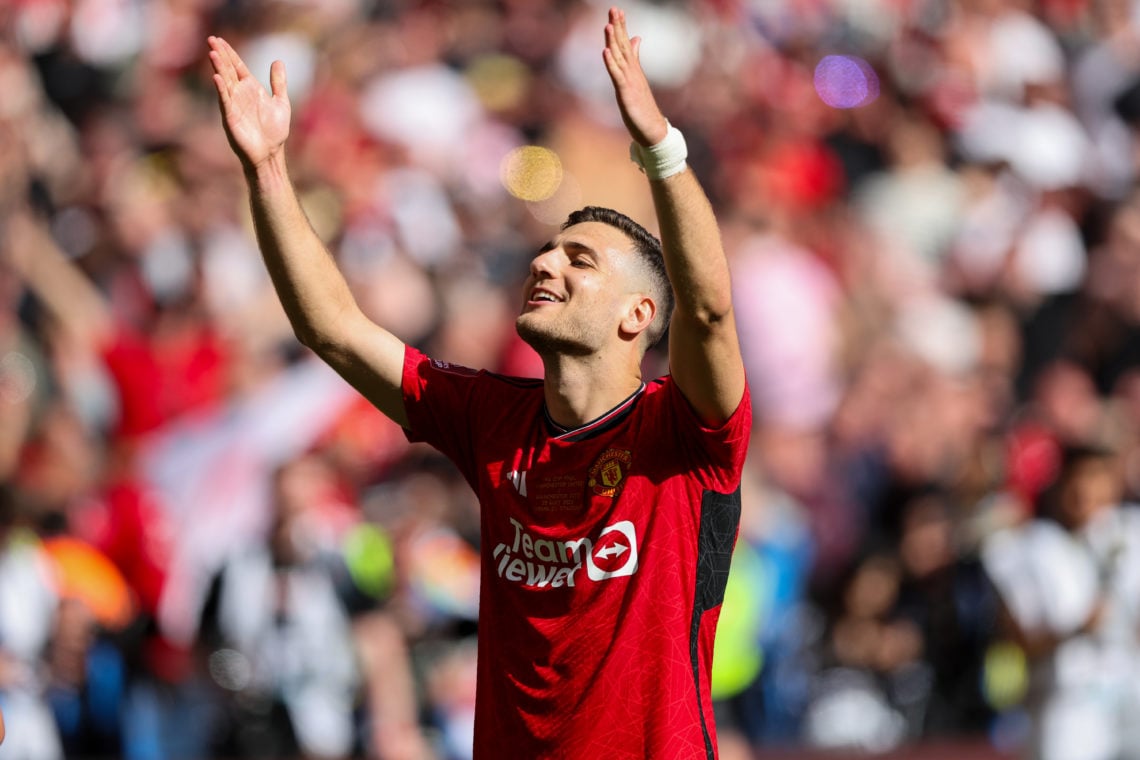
x,y
533,334
547,341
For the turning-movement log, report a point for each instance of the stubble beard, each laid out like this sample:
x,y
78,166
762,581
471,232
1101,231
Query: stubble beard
x,y
559,339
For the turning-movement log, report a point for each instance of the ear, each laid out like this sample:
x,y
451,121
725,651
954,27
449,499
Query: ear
x,y
639,316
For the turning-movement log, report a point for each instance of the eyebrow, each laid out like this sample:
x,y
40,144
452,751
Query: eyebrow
x,y
571,246
574,245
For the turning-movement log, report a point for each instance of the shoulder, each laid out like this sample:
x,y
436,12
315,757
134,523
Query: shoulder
x,y
424,371
423,364
531,384
663,393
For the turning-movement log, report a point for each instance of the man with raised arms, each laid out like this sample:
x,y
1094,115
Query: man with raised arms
x,y
609,505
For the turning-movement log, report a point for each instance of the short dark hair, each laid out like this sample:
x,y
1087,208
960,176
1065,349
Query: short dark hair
x,y
648,249
1077,455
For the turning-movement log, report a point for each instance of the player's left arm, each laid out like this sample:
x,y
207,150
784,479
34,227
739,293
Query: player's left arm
x,y
704,353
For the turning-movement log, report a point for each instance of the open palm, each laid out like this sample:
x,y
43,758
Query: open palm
x,y
638,107
256,121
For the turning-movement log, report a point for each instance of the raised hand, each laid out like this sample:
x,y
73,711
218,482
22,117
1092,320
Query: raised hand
x,y
639,110
256,121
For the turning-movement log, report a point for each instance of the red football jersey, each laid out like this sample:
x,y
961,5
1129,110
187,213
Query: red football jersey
x,y
605,552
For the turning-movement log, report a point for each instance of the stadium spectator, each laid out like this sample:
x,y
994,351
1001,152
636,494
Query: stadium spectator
x,y
954,348
1068,584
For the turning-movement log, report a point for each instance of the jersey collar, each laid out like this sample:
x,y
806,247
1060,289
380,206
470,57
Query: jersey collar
x,y
595,426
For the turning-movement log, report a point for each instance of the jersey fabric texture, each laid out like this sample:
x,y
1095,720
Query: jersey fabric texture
x,y
604,556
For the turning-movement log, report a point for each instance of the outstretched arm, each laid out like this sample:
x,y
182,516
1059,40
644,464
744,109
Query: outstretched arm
x,y
317,300
704,354
70,297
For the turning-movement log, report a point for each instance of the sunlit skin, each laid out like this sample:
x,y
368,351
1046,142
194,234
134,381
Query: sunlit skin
x,y
582,296
590,335
585,307
704,353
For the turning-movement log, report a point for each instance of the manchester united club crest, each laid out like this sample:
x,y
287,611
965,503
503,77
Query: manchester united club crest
x,y
608,472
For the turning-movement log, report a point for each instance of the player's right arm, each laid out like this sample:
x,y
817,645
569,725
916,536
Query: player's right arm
x,y
324,315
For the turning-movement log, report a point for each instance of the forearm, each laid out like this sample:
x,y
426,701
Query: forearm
x,y
704,353
312,290
316,298
67,292
694,255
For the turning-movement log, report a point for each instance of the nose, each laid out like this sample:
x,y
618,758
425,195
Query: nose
x,y
542,266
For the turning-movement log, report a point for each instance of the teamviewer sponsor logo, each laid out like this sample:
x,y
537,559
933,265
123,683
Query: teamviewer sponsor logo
x,y
542,562
615,554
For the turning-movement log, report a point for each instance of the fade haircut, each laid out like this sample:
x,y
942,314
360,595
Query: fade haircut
x,y
648,250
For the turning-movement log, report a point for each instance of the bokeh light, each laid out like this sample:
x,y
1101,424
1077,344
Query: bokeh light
x,y
557,207
501,82
17,378
846,81
531,173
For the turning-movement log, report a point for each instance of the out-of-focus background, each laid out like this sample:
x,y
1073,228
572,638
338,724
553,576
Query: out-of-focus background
x,y
210,547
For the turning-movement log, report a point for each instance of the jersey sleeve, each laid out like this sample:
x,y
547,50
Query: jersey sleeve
x,y
716,454
439,401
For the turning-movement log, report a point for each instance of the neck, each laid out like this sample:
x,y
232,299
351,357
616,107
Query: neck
x,y
579,389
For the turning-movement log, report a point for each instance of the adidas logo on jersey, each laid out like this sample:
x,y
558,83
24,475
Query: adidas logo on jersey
x,y
518,480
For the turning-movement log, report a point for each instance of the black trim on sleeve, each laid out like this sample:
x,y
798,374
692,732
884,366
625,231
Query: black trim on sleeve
x,y
720,519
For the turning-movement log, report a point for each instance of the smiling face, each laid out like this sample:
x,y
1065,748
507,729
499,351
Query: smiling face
x,y
586,290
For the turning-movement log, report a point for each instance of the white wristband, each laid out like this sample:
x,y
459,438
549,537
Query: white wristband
x,y
664,159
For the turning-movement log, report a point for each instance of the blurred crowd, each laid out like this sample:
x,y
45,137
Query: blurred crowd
x,y
209,546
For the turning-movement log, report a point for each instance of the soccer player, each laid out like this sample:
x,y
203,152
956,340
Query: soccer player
x,y
609,506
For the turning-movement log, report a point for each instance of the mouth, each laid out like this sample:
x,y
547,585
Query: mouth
x,y
540,296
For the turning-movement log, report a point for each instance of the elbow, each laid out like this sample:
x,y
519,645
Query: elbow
x,y
318,329
704,304
318,341
709,316
718,314
325,333
307,336
330,351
